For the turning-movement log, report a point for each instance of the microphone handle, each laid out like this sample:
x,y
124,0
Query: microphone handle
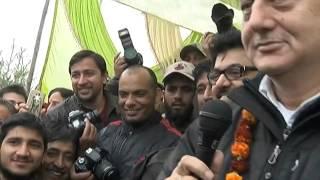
x,y
205,153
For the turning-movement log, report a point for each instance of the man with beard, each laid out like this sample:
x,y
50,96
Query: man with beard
x,y
142,129
231,67
60,154
23,142
88,75
179,90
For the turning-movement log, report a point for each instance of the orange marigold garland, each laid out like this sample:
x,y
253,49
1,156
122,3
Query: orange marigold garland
x,y
240,149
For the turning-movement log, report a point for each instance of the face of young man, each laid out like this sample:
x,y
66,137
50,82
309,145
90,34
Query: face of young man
x,y
178,95
58,160
87,80
14,98
203,90
21,152
136,95
194,57
282,36
231,57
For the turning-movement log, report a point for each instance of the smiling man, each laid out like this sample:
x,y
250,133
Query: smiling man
x,y
278,122
88,73
60,154
142,129
88,76
23,142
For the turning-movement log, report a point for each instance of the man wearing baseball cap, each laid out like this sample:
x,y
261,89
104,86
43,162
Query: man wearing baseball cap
x,y
179,90
192,53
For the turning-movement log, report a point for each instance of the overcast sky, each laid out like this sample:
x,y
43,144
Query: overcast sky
x,y
19,22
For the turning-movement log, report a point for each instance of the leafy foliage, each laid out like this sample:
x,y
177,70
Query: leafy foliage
x,y
14,69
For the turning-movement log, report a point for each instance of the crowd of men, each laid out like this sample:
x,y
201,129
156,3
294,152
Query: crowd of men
x,y
135,127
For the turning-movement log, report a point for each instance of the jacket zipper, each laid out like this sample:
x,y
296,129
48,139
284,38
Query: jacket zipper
x,y
124,141
276,152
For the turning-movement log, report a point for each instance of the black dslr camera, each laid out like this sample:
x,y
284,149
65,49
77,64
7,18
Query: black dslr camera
x,y
131,55
76,119
222,16
94,160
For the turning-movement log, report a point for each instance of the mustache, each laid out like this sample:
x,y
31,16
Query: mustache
x,y
265,38
53,167
178,104
22,159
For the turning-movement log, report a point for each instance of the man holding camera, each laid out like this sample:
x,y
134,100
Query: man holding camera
x,y
88,76
142,129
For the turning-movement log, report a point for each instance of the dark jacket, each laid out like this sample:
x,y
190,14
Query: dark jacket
x,y
128,146
186,146
61,112
299,157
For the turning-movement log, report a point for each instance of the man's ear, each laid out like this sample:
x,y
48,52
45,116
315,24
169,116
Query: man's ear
x,y
106,79
159,94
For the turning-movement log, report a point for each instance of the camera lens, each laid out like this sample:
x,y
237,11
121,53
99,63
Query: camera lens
x,y
111,175
81,160
106,171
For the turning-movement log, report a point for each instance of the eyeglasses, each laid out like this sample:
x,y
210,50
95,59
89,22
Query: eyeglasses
x,y
233,72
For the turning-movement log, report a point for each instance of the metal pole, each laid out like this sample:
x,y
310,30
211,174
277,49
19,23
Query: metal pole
x,y
37,45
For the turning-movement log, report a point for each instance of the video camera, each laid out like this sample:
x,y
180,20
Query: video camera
x,y
94,160
131,55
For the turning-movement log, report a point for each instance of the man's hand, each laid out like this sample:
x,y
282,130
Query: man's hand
x,y
191,168
89,136
207,43
119,65
80,176
22,107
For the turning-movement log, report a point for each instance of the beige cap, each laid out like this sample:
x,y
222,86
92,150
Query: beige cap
x,y
190,48
181,67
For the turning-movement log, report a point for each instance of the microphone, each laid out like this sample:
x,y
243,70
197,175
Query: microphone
x,y
214,119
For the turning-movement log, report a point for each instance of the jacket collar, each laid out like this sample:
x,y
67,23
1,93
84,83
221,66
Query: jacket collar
x,y
250,98
155,118
111,102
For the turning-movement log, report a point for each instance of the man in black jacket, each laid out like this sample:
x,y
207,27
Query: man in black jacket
x,y
223,77
282,41
142,129
179,91
88,76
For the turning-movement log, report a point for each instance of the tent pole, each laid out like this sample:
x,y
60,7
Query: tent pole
x,y
37,45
